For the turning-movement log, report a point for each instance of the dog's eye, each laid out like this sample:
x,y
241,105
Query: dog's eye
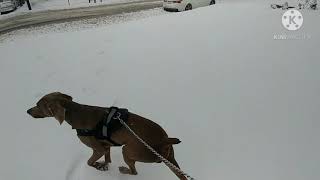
x,y
38,104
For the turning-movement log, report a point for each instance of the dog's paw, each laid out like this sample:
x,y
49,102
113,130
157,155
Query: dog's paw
x,y
125,170
101,166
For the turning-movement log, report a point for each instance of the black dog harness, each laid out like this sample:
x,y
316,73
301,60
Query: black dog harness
x,y
107,126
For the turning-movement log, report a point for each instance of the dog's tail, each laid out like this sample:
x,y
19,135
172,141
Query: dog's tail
x,y
171,141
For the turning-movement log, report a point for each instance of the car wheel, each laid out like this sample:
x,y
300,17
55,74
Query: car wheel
x,y
212,2
188,7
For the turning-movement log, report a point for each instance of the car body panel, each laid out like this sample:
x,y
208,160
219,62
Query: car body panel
x,y
174,5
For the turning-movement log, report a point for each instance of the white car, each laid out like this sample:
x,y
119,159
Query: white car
x,y
185,5
8,5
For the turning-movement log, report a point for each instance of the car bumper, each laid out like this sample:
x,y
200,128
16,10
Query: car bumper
x,y
173,6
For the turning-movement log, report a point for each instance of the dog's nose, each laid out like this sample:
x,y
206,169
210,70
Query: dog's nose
x,y
29,111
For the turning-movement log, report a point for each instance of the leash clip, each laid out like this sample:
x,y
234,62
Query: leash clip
x,y
117,116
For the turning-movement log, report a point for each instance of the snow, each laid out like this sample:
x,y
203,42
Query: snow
x,y
78,25
246,106
44,5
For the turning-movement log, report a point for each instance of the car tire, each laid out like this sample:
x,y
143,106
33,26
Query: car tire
x,y
188,7
212,2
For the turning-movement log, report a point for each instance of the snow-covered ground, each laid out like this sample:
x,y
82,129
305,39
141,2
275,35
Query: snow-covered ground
x,y
44,5
80,25
246,106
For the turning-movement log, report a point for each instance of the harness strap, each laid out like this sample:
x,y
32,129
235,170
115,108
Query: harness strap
x,y
104,128
107,121
85,132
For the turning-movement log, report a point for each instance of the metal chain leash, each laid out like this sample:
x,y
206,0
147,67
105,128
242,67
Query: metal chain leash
x,y
167,162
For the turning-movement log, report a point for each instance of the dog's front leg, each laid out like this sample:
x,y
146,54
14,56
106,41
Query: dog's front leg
x,y
107,156
96,155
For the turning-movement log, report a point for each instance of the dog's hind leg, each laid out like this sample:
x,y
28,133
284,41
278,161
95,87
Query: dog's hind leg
x,y
130,162
93,161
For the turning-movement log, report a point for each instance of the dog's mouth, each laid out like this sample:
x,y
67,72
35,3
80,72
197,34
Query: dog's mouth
x,y
34,115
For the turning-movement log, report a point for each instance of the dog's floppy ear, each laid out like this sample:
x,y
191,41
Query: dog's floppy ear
x,y
57,111
61,95
66,97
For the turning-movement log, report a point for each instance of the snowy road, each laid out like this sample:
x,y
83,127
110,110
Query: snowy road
x,y
80,24
45,17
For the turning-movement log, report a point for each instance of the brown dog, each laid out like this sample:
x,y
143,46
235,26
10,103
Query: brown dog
x,y
61,107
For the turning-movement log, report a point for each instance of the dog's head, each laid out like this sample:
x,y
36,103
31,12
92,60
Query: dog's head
x,y
51,105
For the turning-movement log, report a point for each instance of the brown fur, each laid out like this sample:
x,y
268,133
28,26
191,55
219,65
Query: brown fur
x,y
86,117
